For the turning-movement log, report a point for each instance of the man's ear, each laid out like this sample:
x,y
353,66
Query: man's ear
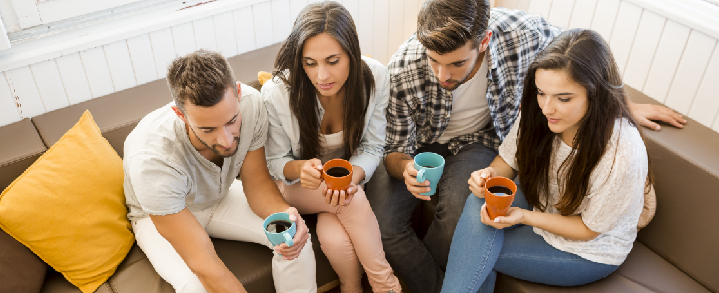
x,y
484,44
239,90
179,114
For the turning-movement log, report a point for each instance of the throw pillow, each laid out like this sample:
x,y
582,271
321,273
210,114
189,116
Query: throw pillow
x,y
69,207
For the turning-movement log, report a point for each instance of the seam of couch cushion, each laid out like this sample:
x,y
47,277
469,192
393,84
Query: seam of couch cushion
x,y
18,159
252,277
123,125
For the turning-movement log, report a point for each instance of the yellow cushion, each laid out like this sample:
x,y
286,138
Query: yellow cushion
x,y
263,76
69,207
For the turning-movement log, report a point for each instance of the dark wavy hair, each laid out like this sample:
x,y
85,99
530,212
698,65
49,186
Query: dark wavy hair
x,y
587,59
332,18
444,26
201,77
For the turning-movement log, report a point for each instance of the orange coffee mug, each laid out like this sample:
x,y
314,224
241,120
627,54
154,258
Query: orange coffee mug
x,y
497,205
337,174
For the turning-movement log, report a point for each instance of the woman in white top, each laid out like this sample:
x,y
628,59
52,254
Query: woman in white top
x,y
582,165
326,101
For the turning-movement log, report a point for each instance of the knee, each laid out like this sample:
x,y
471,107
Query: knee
x,y
192,285
335,242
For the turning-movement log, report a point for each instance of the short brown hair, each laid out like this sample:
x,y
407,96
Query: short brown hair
x,y
444,26
201,77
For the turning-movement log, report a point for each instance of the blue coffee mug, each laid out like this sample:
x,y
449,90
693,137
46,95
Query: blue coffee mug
x,y
429,167
277,238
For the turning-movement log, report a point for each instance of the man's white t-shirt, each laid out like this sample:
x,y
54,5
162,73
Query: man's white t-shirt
x,y
164,173
470,110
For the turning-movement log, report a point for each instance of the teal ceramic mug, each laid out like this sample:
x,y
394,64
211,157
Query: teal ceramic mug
x,y
429,167
279,229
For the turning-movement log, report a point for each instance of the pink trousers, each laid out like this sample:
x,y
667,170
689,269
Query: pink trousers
x,y
349,236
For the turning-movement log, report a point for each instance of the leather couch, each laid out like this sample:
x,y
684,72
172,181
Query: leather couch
x,y
21,143
676,252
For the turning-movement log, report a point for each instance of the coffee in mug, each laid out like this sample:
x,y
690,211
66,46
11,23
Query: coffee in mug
x,y
500,190
338,172
278,226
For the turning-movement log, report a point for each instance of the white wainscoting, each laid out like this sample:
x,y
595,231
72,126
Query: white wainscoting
x,y
669,59
75,77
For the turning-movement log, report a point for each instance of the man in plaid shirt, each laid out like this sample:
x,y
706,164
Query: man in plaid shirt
x,y
468,64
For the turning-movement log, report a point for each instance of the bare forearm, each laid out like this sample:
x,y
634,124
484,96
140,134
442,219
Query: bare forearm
x,y
264,198
502,168
570,227
395,164
358,174
293,169
220,280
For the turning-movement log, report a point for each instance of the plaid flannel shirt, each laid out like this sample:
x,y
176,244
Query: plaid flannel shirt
x,y
419,109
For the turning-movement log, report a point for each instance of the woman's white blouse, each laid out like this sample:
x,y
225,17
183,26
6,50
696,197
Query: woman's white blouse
x,y
283,139
616,196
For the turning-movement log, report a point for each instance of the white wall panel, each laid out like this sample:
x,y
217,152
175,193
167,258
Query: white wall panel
x,y
8,16
8,107
365,27
27,14
142,61
120,65
163,50
540,7
224,25
511,4
380,35
396,27
183,36
263,22
561,13
23,88
204,30
582,13
706,104
74,78
523,5
643,50
98,73
353,7
49,85
604,15
244,30
716,124
282,20
411,10
295,8
623,34
690,71
671,46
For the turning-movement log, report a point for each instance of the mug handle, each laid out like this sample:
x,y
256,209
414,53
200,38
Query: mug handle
x,y
288,239
421,175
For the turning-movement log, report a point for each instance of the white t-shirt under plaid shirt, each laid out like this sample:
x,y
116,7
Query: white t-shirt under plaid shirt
x,y
419,109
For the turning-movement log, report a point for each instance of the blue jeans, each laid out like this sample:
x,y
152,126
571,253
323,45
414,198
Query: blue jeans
x,y
421,263
479,251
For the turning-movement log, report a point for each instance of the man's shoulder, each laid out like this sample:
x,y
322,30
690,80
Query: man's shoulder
x,y
154,134
409,56
503,20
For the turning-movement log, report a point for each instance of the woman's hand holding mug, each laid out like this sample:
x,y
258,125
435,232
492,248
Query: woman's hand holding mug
x,y
311,174
478,178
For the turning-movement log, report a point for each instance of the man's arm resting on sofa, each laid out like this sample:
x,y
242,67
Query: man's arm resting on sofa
x,y
194,246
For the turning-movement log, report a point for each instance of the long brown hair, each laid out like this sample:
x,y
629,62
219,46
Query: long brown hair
x,y
332,18
587,59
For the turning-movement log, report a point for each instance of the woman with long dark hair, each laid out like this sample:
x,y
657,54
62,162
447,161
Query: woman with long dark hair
x,y
582,168
327,101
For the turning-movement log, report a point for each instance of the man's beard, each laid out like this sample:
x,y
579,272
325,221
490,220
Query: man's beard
x,y
213,148
464,79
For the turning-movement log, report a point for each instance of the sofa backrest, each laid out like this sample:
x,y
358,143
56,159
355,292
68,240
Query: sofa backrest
x,y
20,146
684,230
